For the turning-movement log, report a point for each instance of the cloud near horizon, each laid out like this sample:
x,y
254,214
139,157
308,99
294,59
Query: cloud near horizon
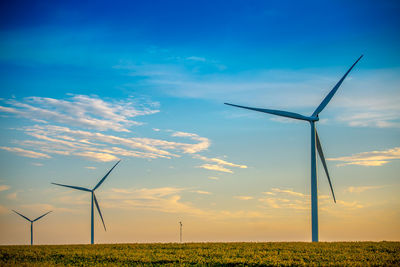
x,y
360,189
169,200
162,199
289,199
371,158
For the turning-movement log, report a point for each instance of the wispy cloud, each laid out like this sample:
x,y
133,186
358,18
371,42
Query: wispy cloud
x,y
97,156
149,193
203,143
350,205
214,167
3,210
360,189
371,158
285,198
194,58
286,191
244,197
90,167
12,196
85,116
4,187
163,199
201,192
104,147
213,178
168,200
278,203
288,199
220,164
25,153
39,208
367,107
379,119
73,198
297,90
255,86
81,110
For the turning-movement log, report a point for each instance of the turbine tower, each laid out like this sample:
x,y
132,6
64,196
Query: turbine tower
x,y
315,144
31,221
180,232
93,199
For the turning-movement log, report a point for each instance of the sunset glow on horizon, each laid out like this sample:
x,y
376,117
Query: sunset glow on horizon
x,y
84,85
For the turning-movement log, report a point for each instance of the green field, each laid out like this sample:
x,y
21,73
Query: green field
x,y
284,254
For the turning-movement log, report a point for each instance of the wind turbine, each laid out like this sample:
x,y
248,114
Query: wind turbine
x,y
180,232
31,221
315,143
93,198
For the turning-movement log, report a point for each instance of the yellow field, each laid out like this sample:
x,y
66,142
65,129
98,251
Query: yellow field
x,y
283,254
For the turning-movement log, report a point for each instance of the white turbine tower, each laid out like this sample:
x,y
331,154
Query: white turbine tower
x,y
31,221
315,144
93,199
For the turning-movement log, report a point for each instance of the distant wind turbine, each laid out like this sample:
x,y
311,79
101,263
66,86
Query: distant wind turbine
x,y
93,198
180,232
315,143
31,221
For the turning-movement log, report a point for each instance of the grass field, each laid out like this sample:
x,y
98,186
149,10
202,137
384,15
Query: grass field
x,y
284,254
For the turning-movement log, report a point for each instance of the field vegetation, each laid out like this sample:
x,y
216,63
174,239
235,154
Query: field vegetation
x,y
249,254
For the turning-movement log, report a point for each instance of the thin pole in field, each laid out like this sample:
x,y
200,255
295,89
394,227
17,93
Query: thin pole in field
x,y
180,232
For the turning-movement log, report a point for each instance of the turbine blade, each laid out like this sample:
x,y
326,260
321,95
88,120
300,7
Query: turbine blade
x,y
321,156
282,113
74,187
26,218
102,180
41,216
333,91
98,209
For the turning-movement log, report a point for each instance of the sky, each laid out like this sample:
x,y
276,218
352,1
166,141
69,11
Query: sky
x,y
86,83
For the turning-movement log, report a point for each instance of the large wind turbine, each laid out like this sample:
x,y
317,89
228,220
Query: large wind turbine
x,y
93,198
315,143
31,221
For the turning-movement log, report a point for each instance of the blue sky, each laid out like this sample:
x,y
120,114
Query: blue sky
x,y
85,84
